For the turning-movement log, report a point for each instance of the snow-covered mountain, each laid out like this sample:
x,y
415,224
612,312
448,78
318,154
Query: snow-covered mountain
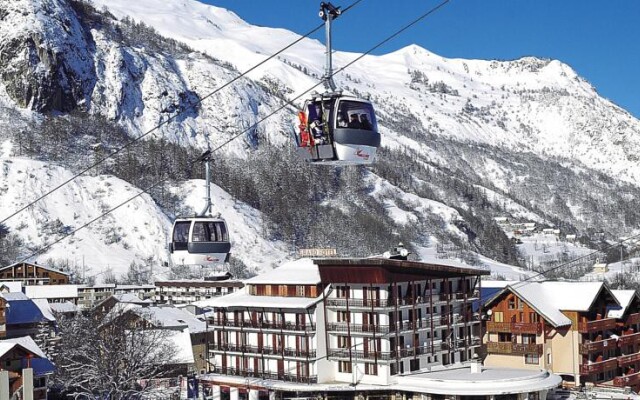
x,y
464,140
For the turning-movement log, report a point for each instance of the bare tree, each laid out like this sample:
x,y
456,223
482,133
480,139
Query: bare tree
x,y
111,356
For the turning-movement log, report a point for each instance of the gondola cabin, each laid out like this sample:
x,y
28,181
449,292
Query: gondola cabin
x,y
339,130
199,241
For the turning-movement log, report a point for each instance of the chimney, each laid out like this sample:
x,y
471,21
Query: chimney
x,y
476,366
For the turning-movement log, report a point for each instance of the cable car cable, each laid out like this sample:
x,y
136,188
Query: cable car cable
x,y
161,124
143,191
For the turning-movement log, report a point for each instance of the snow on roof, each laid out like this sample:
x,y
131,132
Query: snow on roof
x,y
624,297
51,291
14,296
181,340
550,298
45,308
14,286
169,317
64,307
134,287
302,271
25,342
131,298
242,300
37,265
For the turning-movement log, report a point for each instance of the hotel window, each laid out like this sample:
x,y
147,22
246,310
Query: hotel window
x,y
528,338
414,365
343,316
282,291
531,359
344,366
344,342
299,291
370,369
533,317
512,303
343,291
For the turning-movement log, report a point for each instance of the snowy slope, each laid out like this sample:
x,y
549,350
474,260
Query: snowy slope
x,y
138,231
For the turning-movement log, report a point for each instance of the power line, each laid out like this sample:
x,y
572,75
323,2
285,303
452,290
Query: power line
x,y
290,102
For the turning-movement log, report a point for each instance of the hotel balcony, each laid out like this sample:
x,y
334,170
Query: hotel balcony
x,y
598,367
265,375
597,325
515,327
626,340
514,348
343,327
261,325
359,355
597,346
259,351
627,380
623,361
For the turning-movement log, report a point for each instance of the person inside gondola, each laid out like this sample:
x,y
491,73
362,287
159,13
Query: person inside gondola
x,y
354,121
364,121
316,125
342,121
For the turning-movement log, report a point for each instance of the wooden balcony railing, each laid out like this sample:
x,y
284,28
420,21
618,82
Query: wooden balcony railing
x,y
633,319
515,327
623,361
597,325
514,348
627,380
626,340
598,367
357,328
597,346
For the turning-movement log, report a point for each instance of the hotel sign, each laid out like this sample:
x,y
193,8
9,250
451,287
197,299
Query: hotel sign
x,y
317,252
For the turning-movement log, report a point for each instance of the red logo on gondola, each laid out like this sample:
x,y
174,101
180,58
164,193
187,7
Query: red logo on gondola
x,y
209,258
362,154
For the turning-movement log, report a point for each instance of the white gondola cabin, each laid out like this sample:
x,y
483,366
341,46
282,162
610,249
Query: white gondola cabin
x,y
199,241
337,129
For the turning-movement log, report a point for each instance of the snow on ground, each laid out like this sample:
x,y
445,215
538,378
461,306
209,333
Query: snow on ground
x,y
498,269
540,248
5,149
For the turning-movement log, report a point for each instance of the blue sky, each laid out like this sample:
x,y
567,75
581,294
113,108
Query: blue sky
x,y
600,39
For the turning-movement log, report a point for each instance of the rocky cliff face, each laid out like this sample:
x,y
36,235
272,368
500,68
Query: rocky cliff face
x,y
46,57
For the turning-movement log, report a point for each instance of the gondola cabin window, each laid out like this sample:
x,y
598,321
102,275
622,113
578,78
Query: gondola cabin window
x,y
209,232
181,235
356,115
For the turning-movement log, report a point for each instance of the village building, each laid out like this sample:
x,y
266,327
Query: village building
x,y
27,368
185,291
33,274
374,327
582,331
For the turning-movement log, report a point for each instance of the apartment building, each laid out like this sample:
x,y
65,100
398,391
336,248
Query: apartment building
x,y
331,325
583,331
185,291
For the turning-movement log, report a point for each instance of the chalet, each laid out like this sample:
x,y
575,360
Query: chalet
x,y
580,330
33,274
26,366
